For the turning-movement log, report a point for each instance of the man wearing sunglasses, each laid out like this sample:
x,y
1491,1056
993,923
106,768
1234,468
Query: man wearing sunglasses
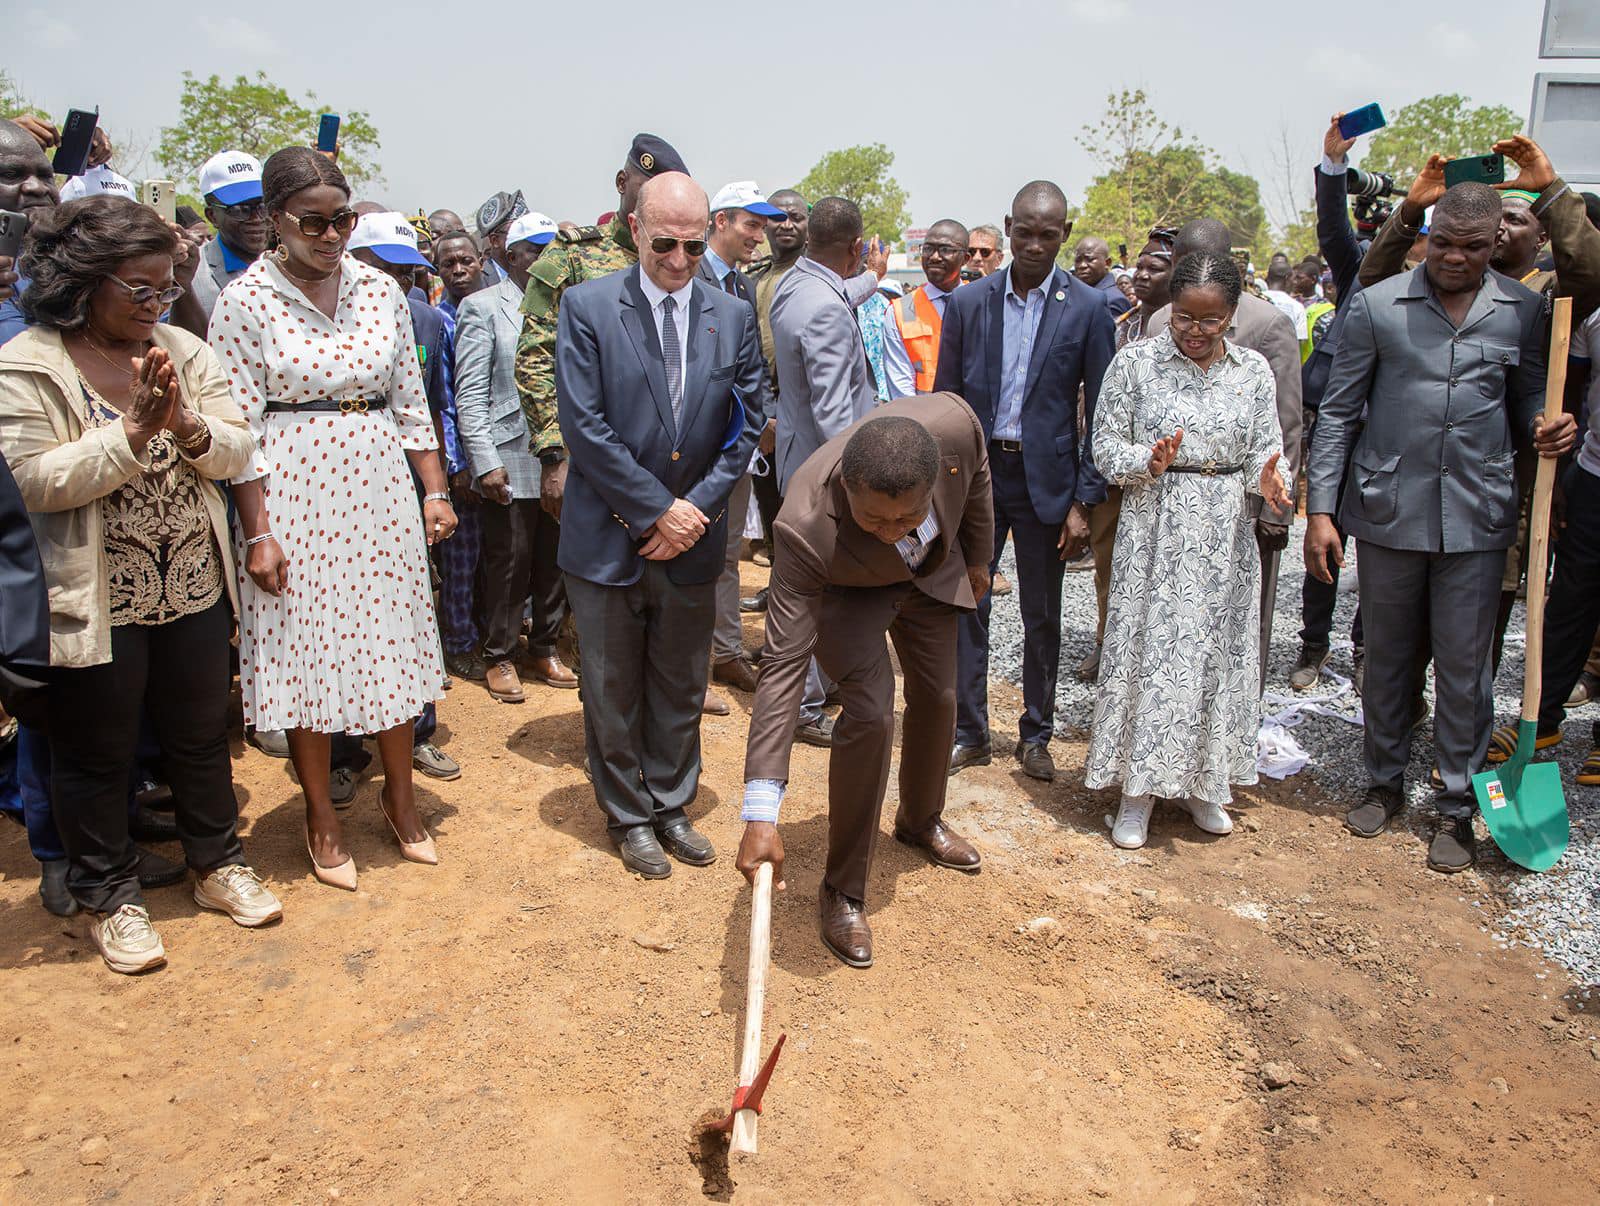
x,y
230,182
985,250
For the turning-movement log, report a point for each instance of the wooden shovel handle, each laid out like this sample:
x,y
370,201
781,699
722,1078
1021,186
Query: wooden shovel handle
x,y
755,1003
1555,384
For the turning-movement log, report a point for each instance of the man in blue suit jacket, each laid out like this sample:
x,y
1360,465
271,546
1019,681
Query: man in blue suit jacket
x,y
658,391
1017,345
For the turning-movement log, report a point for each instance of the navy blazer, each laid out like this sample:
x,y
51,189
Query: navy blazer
x,y
1076,341
628,462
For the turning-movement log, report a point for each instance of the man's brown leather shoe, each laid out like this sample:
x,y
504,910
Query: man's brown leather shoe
x,y
503,683
715,704
943,845
737,672
552,672
1036,760
843,923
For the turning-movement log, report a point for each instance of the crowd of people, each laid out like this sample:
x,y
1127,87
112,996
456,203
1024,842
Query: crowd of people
x,y
342,455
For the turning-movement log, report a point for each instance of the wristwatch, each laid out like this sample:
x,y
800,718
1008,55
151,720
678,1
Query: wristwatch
x,y
553,455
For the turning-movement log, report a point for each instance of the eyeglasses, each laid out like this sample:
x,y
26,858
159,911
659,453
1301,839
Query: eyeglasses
x,y
143,295
943,250
245,210
1207,326
314,226
662,245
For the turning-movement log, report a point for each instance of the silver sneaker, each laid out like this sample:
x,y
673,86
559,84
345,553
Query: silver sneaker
x,y
274,743
127,941
238,891
342,786
434,762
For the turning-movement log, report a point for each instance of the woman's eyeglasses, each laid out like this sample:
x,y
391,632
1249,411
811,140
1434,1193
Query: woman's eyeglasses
x,y
143,295
1207,326
314,226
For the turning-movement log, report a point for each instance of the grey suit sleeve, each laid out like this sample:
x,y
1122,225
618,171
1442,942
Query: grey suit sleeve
x,y
711,492
1525,383
860,287
1349,384
1282,351
827,343
474,380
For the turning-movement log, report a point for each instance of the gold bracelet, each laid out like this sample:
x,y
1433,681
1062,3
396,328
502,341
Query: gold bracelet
x,y
197,440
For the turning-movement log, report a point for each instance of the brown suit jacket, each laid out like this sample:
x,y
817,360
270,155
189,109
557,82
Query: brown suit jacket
x,y
818,547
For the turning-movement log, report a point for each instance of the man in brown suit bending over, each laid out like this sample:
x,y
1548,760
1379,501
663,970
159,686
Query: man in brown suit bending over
x,y
887,528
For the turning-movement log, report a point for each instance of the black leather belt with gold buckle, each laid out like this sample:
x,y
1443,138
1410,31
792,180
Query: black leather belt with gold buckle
x,y
1206,470
1006,445
328,406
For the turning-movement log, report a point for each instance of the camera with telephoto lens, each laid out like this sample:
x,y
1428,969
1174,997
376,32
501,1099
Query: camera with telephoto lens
x,y
1367,191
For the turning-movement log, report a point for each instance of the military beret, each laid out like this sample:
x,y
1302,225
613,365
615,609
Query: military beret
x,y
498,210
652,156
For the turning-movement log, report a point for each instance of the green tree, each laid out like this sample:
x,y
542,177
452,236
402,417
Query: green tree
x,y
1446,125
1154,175
258,117
861,174
12,102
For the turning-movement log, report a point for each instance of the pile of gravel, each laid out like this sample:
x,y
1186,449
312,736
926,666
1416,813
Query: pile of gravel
x,y
1557,912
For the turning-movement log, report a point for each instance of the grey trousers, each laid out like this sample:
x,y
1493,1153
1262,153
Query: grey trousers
x,y
727,642
1404,597
643,650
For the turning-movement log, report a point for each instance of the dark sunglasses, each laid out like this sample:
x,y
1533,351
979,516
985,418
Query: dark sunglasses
x,y
662,245
143,295
985,252
245,210
314,226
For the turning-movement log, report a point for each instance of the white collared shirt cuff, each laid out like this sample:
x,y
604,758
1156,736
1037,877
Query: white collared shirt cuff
x,y
762,800
1332,167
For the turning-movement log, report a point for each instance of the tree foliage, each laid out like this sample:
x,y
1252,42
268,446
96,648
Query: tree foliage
x,y
861,174
258,117
12,101
1446,124
1154,175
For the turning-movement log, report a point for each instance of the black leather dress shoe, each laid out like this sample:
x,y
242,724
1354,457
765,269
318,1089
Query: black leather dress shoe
x,y
843,924
157,871
687,844
755,602
1036,760
147,826
962,756
642,853
53,888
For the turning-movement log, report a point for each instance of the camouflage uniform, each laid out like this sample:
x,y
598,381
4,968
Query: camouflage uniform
x,y
573,258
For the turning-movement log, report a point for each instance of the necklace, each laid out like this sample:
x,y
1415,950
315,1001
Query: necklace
x,y
125,369
283,267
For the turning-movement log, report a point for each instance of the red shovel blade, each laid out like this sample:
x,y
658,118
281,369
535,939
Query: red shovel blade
x,y
748,1097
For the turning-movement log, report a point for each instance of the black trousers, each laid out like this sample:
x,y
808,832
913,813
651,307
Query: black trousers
x,y
519,562
768,501
177,675
1317,601
644,649
1574,601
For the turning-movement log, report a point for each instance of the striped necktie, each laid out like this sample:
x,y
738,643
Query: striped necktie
x,y
672,355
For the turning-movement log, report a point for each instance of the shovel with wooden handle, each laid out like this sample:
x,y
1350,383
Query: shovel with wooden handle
x,y
753,1072
1520,799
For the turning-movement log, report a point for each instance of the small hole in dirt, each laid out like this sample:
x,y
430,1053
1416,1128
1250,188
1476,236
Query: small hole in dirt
x,y
708,1150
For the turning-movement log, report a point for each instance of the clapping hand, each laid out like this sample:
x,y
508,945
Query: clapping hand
x,y
1165,452
152,398
1273,490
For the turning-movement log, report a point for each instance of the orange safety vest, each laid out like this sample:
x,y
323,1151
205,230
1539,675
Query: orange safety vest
x,y
919,325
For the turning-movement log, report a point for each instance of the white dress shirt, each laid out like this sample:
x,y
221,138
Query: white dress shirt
x,y
896,360
655,295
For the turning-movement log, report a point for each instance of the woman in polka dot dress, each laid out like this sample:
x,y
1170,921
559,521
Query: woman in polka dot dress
x,y
336,626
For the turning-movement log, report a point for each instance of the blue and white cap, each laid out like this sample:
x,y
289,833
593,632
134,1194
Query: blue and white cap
x,y
531,228
232,177
743,194
388,236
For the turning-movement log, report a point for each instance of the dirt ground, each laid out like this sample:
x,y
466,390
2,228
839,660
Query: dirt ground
x,y
1285,1015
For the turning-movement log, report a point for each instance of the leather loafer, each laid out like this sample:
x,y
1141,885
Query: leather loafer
x,y
642,853
687,844
737,672
755,602
1036,760
553,672
157,871
147,826
943,846
818,732
843,924
963,756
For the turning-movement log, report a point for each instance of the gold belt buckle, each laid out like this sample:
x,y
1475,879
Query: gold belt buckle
x,y
1209,469
352,406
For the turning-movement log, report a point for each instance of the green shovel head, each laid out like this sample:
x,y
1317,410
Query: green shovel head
x,y
1522,805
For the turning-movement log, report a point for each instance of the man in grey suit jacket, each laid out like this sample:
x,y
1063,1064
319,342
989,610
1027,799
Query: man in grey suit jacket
x,y
824,384
1447,362
657,382
519,537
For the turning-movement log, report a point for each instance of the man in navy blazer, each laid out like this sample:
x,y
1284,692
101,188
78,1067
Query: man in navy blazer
x,y
658,391
1018,345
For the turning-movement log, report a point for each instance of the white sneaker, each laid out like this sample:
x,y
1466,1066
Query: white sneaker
x,y
1131,829
238,891
127,941
1208,817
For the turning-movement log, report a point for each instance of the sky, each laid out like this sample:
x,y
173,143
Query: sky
x,y
975,99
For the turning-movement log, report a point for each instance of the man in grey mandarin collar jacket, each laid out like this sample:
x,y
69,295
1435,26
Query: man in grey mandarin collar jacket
x,y
1448,364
